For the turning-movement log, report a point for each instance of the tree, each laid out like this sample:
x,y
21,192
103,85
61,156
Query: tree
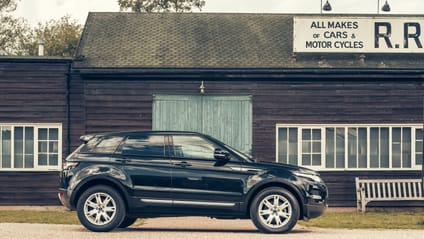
x,y
60,37
160,5
14,32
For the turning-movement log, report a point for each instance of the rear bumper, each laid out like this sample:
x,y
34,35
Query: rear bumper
x,y
64,198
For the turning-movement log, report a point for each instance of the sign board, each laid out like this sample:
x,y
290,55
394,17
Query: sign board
x,y
358,34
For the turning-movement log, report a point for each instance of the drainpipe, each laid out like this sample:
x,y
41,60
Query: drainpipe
x,y
422,159
68,110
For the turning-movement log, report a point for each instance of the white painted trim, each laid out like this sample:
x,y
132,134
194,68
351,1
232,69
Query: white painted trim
x,y
36,167
368,127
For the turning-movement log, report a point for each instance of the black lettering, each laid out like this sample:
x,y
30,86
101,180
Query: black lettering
x,y
415,36
386,35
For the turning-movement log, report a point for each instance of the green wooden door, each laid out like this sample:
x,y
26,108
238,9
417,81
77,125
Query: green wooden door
x,y
225,117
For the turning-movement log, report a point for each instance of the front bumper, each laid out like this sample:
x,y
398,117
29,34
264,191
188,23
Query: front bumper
x,y
315,208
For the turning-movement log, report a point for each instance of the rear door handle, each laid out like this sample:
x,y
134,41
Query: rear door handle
x,y
183,164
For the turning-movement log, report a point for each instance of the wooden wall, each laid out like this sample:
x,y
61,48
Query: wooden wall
x,y
32,91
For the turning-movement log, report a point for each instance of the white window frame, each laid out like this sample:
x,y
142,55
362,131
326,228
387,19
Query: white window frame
x,y
36,126
299,127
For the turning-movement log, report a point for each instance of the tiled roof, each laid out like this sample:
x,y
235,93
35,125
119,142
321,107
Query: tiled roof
x,y
209,40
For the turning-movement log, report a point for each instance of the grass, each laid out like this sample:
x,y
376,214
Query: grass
x,y
44,217
348,220
378,219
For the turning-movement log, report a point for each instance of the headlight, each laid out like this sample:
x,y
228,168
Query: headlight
x,y
312,177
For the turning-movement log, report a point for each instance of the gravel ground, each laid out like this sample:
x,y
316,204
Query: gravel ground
x,y
195,227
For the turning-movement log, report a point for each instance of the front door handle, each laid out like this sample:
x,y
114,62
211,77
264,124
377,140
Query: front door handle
x,y
183,164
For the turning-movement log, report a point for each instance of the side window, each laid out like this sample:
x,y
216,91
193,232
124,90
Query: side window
x,y
193,147
106,145
145,145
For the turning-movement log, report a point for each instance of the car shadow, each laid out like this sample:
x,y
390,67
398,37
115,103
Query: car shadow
x,y
214,230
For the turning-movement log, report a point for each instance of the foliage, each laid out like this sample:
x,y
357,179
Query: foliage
x,y
60,37
161,5
14,32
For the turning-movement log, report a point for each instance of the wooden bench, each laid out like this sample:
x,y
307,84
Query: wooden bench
x,y
368,190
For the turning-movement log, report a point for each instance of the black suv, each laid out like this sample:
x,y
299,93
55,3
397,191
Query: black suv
x,y
112,179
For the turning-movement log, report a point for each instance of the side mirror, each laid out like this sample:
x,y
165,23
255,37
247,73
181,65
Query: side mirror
x,y
222,157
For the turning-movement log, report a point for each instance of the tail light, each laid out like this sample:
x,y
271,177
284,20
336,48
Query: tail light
x,y
68,165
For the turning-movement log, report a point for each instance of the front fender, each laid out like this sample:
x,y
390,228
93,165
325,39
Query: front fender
x,y
275,182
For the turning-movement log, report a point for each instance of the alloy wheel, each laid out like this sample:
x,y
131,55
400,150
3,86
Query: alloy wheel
x,y
275,211
100,208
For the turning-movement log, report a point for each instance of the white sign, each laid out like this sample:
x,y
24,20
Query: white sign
x,y
358,34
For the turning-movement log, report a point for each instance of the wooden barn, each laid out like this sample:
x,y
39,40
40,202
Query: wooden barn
x,y
243,78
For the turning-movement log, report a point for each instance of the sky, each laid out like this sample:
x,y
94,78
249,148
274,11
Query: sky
x,y
43,10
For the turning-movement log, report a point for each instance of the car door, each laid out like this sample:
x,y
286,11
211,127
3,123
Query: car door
x,y
148,166
198,181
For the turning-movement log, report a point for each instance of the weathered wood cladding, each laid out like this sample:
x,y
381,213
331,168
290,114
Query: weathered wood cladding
x,y
32,91
29,188
120,104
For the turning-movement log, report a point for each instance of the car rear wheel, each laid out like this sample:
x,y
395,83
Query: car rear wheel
x,y
274,210
101,209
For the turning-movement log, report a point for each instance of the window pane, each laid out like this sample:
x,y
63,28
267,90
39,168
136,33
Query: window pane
x,y
53,147
145,145
316,159
418,146
306,159
282,145
18,147
329,147
374,148
42,159
293,146
42,147
306,146
406,148
42,134
193,147
6,147
316,134
306,134
362,148
384,147
53,134
340,147
316,147
352,147
396,147
53,160
29,161
29,140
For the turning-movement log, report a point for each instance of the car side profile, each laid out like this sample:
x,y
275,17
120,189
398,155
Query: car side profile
x,y
114,178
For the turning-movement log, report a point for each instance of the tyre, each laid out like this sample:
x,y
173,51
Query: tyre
x,y
274,210
101,209
128,221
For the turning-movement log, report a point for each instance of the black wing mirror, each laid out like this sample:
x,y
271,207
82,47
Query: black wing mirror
x,y
222,157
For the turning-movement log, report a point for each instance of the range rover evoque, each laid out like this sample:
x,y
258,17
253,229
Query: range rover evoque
x,y
114,178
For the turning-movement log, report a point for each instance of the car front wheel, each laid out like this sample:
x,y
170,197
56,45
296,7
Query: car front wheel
x,y
274,210
101,209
